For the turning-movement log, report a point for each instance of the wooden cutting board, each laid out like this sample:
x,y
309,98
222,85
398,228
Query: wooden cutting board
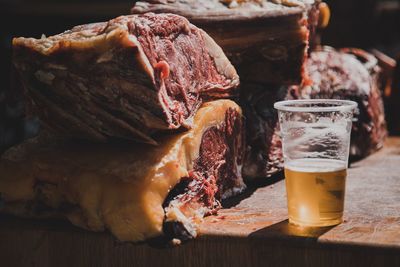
x,y
252,231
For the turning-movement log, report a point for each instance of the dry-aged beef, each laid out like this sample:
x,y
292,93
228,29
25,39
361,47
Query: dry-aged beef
x,y
126,188
347,74
129,77
265,40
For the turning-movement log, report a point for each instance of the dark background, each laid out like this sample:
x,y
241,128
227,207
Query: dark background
x,y
354,23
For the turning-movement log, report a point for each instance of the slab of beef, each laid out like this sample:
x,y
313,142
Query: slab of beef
x,y
351,74
137,191
130,77
265,40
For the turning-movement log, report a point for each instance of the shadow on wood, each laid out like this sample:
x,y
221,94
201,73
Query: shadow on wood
x,y
251,188
286,230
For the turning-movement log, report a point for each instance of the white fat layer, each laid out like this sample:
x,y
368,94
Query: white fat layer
x,y
142,56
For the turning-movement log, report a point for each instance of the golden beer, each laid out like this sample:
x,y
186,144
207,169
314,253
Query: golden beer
x,y
315,191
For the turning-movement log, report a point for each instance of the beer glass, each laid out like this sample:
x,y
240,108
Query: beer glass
x,y
315,141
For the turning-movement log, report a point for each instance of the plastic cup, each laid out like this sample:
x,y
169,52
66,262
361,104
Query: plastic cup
x,y
315,141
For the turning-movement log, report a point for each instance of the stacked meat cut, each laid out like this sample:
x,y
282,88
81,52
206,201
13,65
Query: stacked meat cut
x,y
126,188
156,79
131,77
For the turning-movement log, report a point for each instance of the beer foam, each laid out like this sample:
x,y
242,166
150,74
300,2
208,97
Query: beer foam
x,y
315,165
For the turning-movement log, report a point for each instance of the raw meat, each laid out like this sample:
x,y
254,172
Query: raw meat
x,y
266,41
351,74
128,187
131,77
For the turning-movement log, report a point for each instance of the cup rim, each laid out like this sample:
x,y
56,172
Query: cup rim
x,y
337,105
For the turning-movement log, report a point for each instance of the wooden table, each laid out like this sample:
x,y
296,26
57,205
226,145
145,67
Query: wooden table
x,y
253,231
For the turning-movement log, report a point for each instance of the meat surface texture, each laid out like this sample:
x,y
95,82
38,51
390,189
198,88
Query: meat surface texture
x,y
351,74
266,41
130,77
135,190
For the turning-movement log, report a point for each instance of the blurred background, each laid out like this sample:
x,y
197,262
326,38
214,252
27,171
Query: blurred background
x,y
367,24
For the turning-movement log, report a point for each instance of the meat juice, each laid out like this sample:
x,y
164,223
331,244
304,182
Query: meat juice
x,y
315,191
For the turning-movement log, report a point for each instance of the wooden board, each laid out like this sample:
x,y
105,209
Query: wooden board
x,y
253,231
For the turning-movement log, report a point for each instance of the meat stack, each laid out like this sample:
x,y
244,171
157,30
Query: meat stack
x,y
161,81
156,79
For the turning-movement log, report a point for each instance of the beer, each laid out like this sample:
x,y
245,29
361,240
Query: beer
x,y
315,191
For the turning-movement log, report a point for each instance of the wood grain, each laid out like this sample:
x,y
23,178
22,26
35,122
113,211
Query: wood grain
x,y
253,232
